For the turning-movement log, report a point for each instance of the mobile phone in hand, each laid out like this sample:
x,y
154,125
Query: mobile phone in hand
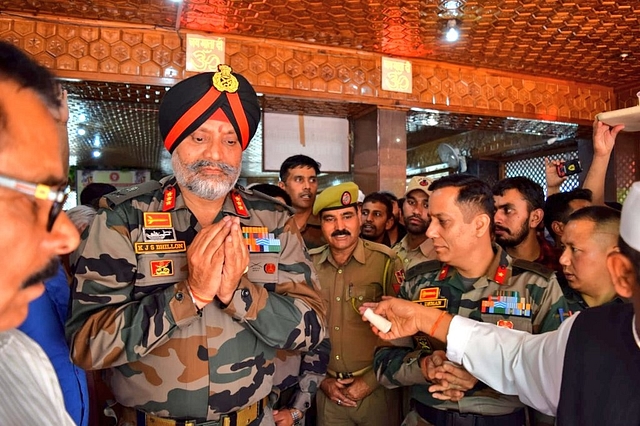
x,y
568,168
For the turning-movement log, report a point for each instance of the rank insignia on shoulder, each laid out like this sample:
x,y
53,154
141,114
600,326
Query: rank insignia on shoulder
x,y
159,234
506,303
157,220
430,297
259,240
161,247
161,268
443,272
501,274
169,199
399,280
238,204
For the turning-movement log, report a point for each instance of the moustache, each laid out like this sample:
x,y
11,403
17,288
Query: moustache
x,y
340,232
196,166
502,228
48,271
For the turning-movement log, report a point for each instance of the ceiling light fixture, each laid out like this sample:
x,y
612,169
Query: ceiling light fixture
x,y
82,132
452,32
96,154
451,5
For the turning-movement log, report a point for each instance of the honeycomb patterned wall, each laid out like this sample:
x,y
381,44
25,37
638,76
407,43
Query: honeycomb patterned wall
x,y
591,41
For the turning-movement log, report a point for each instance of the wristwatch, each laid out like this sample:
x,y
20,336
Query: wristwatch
x,y
296,415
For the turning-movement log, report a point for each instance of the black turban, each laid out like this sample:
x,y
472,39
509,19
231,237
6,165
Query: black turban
x,y
191,102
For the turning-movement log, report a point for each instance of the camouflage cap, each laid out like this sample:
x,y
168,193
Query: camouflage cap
x,y
336,197
419,182
629,224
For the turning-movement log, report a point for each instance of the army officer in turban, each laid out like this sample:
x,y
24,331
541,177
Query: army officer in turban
x,y
185,288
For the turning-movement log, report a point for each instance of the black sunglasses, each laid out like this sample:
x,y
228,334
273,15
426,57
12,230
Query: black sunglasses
x,y
41,192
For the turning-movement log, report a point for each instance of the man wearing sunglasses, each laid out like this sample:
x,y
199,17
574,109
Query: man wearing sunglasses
x,y
33,173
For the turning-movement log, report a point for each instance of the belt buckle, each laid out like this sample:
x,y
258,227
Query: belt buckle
x,y
460,419
246,415
152,420
343,376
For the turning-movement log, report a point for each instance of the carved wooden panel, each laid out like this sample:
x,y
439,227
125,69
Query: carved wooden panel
x,y
628,97
355,77
593,41
157,57
99,52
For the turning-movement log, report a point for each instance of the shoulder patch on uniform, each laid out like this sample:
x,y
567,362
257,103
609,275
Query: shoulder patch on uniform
x,y
537,268
422,269
380,248
124,194
317,250
262,196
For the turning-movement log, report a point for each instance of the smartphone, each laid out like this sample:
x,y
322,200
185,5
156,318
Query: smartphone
x,y
568,168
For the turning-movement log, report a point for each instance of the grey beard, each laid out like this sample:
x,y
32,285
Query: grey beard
x,y
208,189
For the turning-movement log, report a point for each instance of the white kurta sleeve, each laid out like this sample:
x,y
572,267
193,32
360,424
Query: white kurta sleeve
x,y
29,390
510,361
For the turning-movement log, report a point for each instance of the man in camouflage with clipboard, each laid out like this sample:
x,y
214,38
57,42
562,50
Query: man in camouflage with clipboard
x,y
185,288
475,278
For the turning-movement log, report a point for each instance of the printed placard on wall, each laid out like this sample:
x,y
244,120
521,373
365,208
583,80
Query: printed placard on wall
x,y
325,139
117,178
396,75
204,53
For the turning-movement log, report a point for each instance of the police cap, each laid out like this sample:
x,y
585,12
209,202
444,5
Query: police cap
x,y
336,197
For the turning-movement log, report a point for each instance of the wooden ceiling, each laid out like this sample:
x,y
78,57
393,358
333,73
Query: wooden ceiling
x,y
589,41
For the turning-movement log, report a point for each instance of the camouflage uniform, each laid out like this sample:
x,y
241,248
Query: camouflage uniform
x,y
400,366
576,302
410,258
373,270
163,355
298,376
312,233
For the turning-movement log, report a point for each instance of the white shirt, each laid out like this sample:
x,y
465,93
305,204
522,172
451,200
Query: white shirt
x,y
514,362
29,390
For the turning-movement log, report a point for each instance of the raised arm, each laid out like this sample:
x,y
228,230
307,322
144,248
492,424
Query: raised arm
x,y
604,139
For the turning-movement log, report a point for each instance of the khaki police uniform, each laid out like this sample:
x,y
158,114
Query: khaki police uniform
x,y
412,257
372,270
369,274
312,233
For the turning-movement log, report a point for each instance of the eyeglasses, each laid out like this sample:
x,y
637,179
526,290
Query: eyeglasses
x,y
41,192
